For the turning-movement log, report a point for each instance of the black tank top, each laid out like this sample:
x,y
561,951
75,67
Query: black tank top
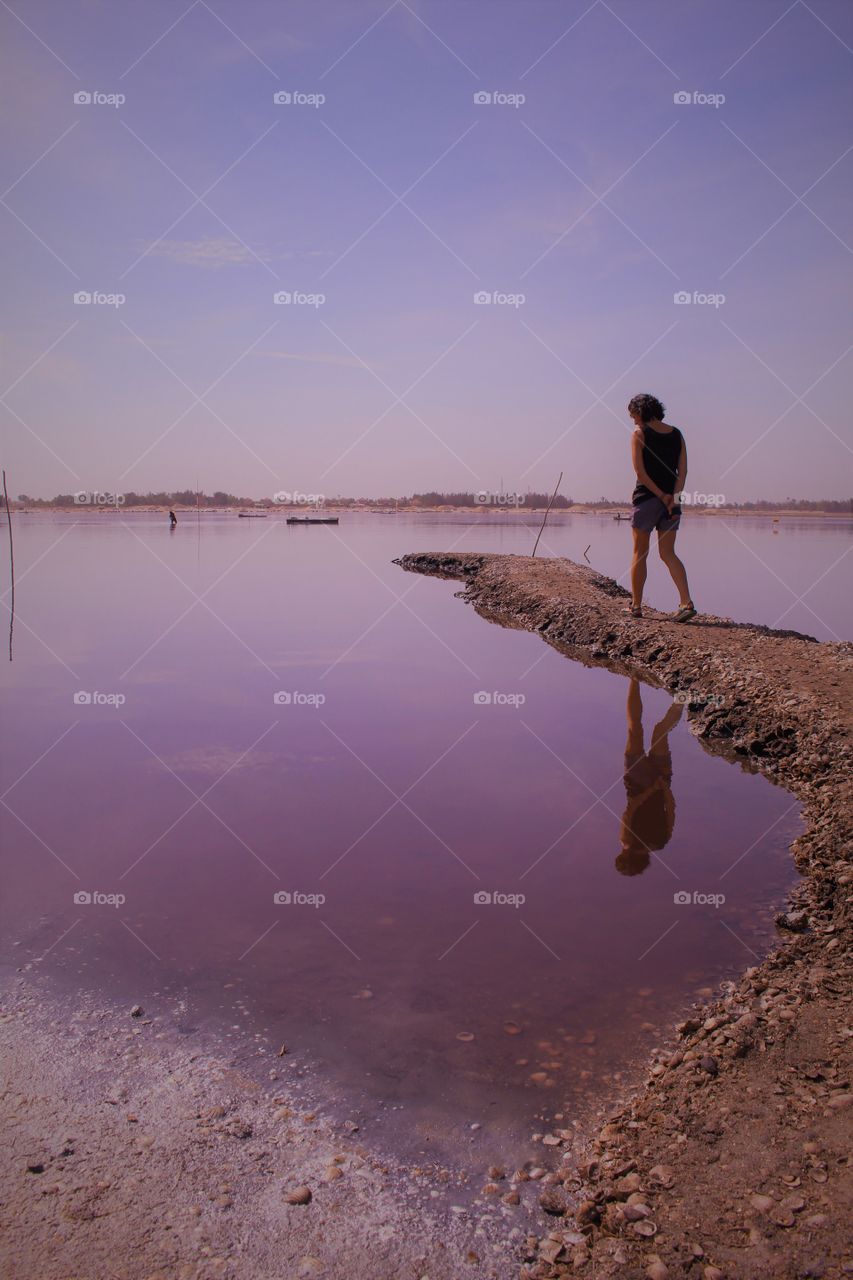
x,y
661,456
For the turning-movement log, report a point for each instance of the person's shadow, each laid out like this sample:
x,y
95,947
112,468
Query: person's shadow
x,y
649,818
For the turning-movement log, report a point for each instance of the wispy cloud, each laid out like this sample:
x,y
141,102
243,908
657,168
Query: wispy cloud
x,y
212,251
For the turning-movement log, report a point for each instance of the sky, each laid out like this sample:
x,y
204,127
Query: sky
x,y
488,224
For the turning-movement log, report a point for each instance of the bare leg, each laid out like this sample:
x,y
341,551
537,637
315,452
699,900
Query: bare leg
x,y
678,573
634,745
638,566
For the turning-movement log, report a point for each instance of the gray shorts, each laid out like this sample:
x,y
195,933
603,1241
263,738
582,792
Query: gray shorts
x,y
651,514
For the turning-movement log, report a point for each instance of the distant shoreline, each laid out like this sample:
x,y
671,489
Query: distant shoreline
x,y
579,509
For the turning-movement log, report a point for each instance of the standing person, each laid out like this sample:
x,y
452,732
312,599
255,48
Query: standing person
x,y
659,455
173,520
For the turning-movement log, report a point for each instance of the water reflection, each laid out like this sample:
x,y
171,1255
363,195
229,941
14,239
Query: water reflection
x,y
649,818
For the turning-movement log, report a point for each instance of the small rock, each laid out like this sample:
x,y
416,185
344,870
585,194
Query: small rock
x,y
309,1266
662,1175
793,921
762,1203
554,1201
299,1195
137,1011
709,1064
333,1173
511,1198
657,1270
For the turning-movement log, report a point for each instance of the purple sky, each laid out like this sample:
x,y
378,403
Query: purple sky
x,y
397,199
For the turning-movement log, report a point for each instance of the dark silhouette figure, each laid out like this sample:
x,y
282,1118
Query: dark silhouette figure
x,y
173,520
649,817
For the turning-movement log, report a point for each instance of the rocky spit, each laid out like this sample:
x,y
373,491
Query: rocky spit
x,y
733,1158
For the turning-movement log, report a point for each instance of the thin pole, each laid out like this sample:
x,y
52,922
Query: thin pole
x,y
11,563
545,517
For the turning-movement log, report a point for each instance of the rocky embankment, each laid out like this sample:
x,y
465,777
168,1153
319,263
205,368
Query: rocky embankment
x,y
733,1160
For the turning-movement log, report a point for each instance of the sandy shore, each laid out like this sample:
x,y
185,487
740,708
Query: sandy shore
x,y
134,1150
733,1160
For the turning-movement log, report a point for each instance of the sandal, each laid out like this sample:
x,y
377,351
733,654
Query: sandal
x,y
633,610
686,612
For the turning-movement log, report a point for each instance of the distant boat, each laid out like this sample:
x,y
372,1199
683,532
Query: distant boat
x,y
251,515
312,519
621,516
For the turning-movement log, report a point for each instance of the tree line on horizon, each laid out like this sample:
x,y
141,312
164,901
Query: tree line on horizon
x,y
431,499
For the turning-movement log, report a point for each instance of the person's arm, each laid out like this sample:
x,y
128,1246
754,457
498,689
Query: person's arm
x,y
637,459
682,469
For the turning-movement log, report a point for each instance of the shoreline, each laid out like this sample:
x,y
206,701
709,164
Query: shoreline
x,y
732,1159
143,1148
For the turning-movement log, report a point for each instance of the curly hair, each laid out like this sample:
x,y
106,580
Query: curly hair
x,y
648,407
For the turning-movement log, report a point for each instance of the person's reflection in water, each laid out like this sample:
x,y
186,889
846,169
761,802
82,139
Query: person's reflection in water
x,y
649,817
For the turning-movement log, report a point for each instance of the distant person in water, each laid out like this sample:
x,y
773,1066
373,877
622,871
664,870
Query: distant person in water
x,y
649,818
173,519
659,455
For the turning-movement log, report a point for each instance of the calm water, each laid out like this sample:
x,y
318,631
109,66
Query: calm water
x,y
386,799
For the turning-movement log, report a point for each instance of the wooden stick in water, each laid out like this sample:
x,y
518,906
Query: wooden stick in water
x,y
545,517
11,563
